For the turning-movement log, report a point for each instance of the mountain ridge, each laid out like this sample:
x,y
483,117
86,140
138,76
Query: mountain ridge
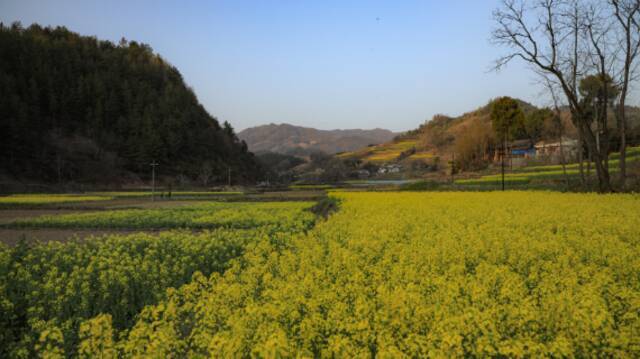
x,y
286,138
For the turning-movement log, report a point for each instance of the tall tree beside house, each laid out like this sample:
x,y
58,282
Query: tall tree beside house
x,y
533,123
548,35
598,94
74,108
563,41
506,117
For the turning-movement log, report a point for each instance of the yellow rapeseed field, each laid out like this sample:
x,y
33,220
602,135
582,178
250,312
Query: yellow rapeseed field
x,y
43,199
516,274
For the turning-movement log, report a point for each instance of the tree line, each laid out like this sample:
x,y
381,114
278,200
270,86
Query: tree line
x,y
75,108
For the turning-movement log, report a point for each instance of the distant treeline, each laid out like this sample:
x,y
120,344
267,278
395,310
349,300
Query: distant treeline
x,y
74,108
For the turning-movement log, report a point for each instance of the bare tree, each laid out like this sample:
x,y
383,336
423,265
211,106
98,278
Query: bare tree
x,y
558,127
597,29
627,14
571,18
545,34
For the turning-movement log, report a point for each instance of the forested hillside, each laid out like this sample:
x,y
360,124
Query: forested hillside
x,y
77,109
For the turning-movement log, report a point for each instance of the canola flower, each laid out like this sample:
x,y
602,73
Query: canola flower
x,y
516,274
60,299
55,286
197,216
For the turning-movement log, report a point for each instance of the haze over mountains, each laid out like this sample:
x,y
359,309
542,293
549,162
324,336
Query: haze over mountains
x,y
297,140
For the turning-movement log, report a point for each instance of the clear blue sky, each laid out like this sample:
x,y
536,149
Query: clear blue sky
x,y
323,64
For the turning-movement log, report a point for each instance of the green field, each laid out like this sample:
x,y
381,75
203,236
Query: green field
x,y
532,174
158,193
44,200
310,186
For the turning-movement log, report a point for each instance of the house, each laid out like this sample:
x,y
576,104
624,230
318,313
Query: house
x,y
522,149
362,174
518,150
390,168
551,149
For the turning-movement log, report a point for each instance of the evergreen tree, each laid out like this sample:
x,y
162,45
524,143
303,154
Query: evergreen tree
x,y
62,93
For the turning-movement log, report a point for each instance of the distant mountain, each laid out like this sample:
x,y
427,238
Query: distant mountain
x,y
290,139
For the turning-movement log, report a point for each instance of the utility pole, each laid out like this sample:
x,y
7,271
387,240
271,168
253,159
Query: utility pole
x,y
229,169
153,180
504,150
453,165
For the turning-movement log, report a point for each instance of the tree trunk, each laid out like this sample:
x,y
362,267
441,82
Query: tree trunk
x,y
562,162
604,183
589,160
622,127
580,154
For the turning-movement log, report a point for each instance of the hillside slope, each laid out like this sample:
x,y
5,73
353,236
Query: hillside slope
x,y
432,139
290,139
470,134
74,108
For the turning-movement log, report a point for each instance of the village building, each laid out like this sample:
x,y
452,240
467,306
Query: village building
x,y
518,152
522,149
551,149
362,174
390,168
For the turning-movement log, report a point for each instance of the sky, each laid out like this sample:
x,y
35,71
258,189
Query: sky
x,y
323,64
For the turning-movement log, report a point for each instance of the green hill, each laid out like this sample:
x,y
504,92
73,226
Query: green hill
x,y
77,109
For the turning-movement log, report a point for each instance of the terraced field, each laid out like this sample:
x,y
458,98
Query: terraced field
x,y
387,152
